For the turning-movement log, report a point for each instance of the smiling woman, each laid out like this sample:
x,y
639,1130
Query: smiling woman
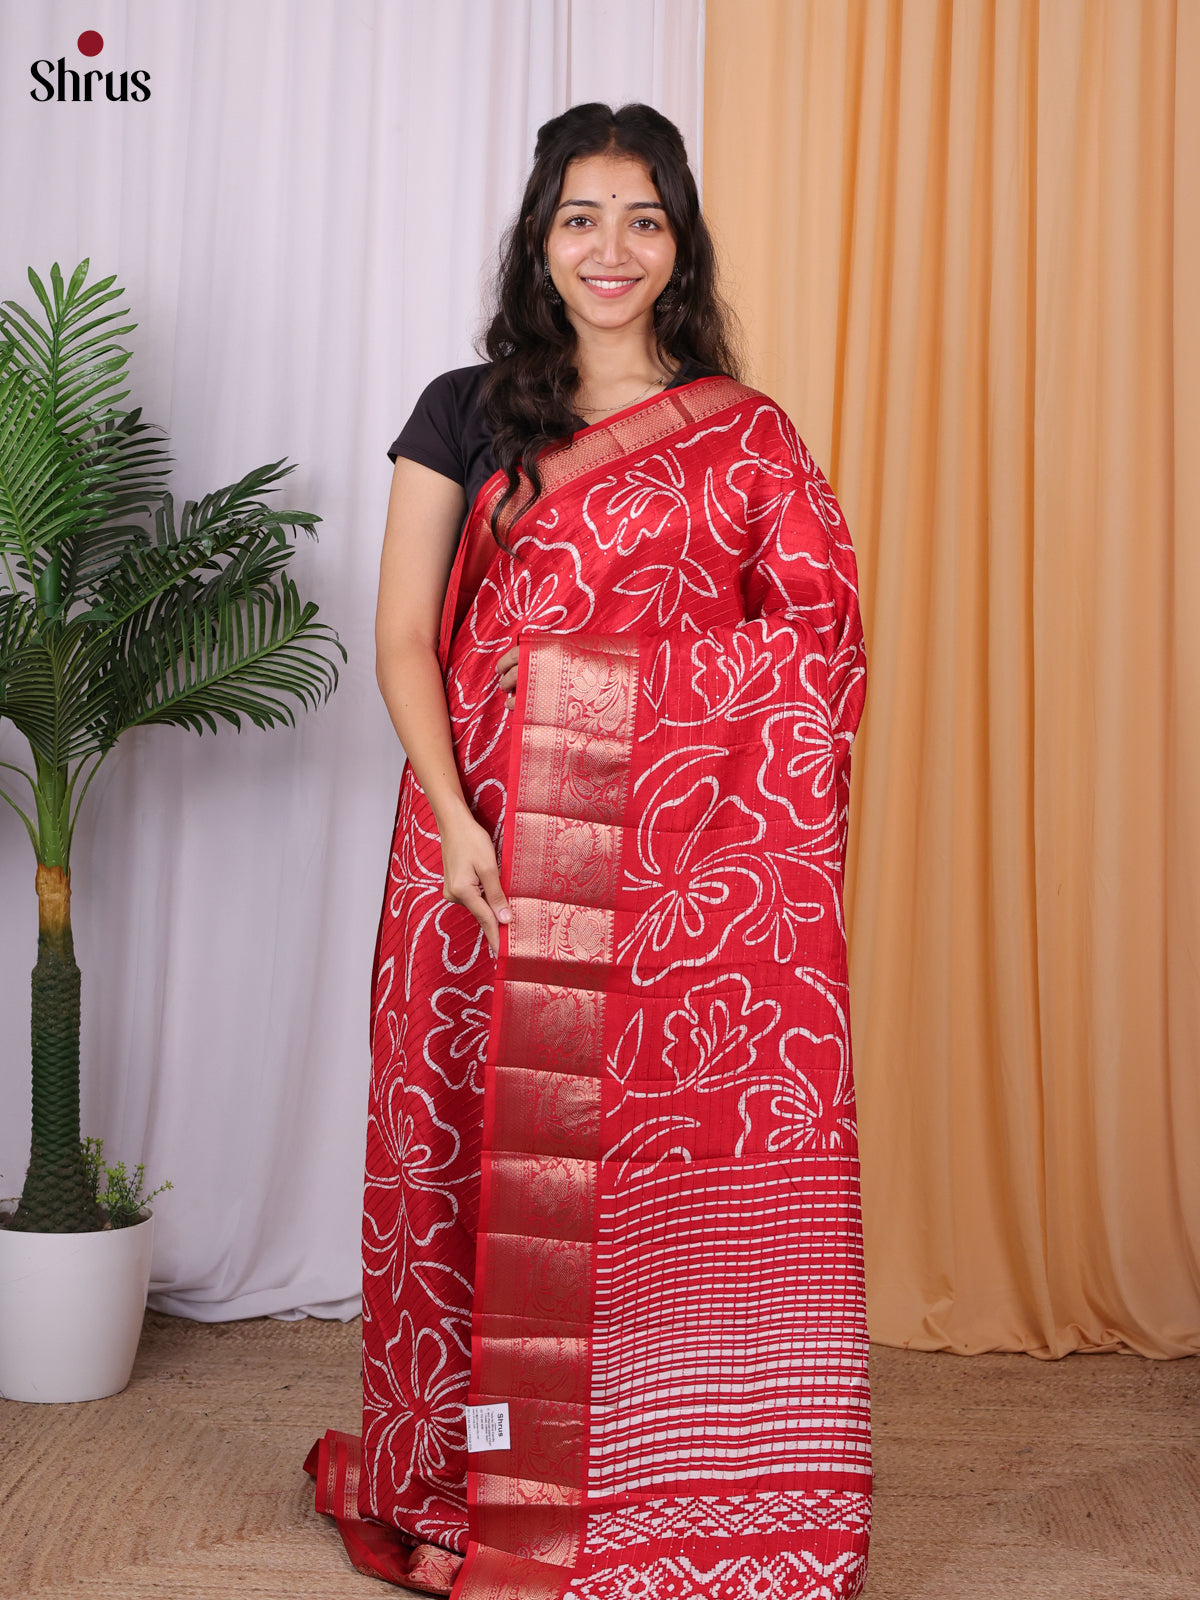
x,y
618,247
614,1333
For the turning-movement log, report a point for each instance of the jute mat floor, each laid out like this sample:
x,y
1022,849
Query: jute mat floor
x,y
997,1476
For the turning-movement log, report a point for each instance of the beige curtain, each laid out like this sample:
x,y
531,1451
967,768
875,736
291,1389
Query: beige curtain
x,y
964,238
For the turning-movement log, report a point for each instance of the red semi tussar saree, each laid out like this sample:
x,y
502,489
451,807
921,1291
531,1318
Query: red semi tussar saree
x,y
612,1175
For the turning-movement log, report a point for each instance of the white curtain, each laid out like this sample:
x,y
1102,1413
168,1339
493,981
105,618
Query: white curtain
x,y
303,214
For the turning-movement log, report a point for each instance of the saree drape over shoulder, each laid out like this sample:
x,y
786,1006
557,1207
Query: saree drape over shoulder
x,y
612,1175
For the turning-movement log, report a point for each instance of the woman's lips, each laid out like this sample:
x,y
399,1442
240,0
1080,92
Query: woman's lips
x,y
611,288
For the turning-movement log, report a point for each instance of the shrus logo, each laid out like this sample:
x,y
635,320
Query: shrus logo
x,y
52,77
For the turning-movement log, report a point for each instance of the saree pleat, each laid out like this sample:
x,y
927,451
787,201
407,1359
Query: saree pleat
x,y
612,1178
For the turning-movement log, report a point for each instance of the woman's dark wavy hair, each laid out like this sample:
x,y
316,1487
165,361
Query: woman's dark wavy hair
x,y
527,396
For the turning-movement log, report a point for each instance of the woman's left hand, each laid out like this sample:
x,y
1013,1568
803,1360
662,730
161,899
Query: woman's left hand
x,y
507,669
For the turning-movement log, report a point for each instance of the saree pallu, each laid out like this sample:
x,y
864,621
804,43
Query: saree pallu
x,y
612,1178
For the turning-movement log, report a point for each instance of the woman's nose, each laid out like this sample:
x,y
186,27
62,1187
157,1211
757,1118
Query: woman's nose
x,y
609,249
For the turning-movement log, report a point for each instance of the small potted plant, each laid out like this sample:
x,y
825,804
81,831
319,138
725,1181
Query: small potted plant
x,y
115,613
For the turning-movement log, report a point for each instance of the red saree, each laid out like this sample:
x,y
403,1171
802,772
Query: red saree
x,y
612,1177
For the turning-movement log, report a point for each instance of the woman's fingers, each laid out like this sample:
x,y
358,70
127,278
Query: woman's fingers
x,y
506,670
477,905
474,883
472,898
494,894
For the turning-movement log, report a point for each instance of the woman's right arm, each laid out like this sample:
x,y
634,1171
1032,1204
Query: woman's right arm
x,y
425,513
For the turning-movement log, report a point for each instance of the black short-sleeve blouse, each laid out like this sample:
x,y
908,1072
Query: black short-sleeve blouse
x,y
447,432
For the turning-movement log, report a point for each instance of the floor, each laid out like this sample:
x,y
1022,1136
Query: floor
x,y
997,1476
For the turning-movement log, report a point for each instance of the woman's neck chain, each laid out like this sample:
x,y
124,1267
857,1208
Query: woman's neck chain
x,y
592,411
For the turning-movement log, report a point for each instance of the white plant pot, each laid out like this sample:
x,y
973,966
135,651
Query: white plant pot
x,y
71,1309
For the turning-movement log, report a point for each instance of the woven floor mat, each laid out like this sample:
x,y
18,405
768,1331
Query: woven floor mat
x,y
997,1476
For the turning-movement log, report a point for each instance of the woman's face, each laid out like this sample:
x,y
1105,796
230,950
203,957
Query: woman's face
x,y
610,245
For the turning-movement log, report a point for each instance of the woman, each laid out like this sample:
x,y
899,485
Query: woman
x,y
612,1189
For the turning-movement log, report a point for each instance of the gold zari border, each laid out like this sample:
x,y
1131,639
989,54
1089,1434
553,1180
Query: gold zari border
x,y
533,1299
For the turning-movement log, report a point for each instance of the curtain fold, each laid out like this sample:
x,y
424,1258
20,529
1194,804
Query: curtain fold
x,y
964,241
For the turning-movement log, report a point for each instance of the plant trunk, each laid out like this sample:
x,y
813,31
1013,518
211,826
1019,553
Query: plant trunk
x,y
58,1196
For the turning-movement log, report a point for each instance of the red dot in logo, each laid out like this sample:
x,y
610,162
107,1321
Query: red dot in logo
x,y
90,43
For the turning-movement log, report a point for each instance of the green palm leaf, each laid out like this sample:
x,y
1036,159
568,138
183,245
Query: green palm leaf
x,y
43,494
60,694
236,654
18,615
127,464
73,468
74,352
228,539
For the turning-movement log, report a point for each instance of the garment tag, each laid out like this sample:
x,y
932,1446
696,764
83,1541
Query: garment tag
x,y
487,1427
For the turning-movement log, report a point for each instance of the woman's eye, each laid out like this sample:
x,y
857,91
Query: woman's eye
x,y
571,221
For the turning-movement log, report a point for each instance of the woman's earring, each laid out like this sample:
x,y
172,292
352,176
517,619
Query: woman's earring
x,y
669,298
549,289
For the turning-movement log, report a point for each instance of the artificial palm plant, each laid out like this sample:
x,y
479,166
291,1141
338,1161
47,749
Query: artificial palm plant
x,y
116,613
